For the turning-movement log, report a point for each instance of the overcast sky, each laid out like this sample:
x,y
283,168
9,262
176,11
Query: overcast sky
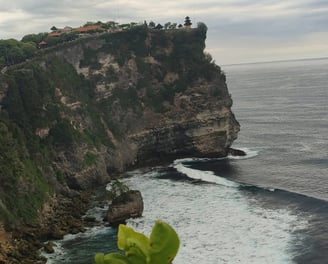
x,y
238,30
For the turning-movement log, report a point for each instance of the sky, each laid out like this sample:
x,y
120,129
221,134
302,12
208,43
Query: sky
x,y
239,31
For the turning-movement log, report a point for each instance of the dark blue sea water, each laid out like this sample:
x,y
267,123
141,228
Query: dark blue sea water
x,y
268,207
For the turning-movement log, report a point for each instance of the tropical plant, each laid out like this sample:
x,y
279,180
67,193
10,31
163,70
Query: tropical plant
x,y
117,190
167,25
13,51
160,248
152,24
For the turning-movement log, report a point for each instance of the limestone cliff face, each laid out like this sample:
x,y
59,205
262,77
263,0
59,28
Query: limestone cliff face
x,y
98,105
194,120
198,125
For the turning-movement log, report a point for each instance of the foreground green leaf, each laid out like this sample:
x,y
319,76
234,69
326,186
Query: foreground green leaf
x,y
164,244
160,248
112,258
135,244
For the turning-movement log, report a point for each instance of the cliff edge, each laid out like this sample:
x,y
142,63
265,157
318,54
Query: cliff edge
x,y
83,110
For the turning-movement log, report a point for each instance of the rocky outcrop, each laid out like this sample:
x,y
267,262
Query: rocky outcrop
x,y
60,216
123,99
236,152
76,114
128,205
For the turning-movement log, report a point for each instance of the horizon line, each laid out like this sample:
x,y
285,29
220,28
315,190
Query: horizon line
x,y
275,61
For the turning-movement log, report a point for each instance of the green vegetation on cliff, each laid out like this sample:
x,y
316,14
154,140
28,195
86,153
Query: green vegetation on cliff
x,y
13,51
29,106
23,187
70,115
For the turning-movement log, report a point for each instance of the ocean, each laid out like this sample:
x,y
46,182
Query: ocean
x,y
270,206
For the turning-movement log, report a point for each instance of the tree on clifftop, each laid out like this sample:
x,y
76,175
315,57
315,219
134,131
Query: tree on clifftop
x,y
152,24
202,27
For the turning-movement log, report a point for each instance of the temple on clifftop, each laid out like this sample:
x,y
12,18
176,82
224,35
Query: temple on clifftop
x,y
187,23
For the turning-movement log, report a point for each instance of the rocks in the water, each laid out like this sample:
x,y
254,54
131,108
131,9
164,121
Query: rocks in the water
x,y
56,233
63,216
89,219
236,152
49,247
123,208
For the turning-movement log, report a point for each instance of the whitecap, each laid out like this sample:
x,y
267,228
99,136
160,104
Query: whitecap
x,y
217,224
304,147
206,176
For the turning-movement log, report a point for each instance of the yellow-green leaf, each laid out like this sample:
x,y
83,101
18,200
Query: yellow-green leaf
x,y
164,244
99,258
116,258
135,244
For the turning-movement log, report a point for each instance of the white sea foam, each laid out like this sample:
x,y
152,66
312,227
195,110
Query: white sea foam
x,y
250,153
216,223
207,176
61,254
304,147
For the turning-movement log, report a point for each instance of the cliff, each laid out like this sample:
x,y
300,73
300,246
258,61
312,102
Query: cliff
x,y
83,110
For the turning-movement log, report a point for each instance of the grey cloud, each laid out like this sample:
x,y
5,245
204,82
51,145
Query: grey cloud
x,y
315,4
229,21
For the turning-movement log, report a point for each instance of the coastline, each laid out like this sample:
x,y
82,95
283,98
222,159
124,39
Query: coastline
x,y
64,215
25,242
